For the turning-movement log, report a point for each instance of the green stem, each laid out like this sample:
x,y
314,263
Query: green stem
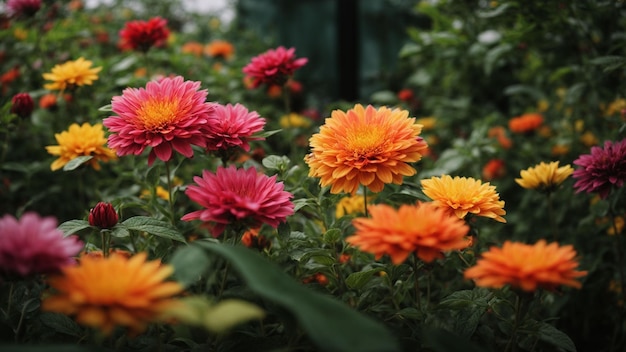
x,y
365,200
552,218
416,285
169,192
104,234
522,301
11,287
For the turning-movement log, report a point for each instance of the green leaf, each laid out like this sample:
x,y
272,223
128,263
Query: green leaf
x,y
189,263
123,65
73,226
330,324
494,55
465,298
575,92
76,162
266,134
332,235
154,227
495,12
556,337
231,312
61,323
384,97
359,279
119,231
106,108
275,162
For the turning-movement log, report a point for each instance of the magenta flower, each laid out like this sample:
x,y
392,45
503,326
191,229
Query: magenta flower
x,y
239,195
34,245
274,66
602,169
23,8
167,114
234,126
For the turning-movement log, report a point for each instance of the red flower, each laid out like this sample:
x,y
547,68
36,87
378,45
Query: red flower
x,y
274,66
239,196
233,127
405,94
168,114
494,169
103,216
526,123
602,170
22,105
23,8
142,35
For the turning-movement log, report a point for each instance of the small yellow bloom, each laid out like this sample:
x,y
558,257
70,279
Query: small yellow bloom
x,y
619,225
579,125
543,105
20,34
350,205
544,177
559,150
71,74
428,123
81,141
615,107
294,120
589,139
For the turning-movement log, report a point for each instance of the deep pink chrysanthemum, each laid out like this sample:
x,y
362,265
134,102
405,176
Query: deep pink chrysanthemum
x,y
234,126
239,195
142,35
34,245
274,66
170,113
602,169
23,8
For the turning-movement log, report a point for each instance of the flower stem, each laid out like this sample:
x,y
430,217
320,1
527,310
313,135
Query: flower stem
x,y
365,200
416,285
522,301
169,192
552,218
104,234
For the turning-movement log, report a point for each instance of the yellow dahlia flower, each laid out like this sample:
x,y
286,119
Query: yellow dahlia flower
x,y
81,141
463,195
544,177
365,146
351,205
71,74
114,291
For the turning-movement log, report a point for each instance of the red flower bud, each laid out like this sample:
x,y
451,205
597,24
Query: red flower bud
x,y
103,215
22,105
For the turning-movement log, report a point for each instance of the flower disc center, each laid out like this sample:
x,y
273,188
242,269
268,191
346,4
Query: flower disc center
x,y
365,139
157,114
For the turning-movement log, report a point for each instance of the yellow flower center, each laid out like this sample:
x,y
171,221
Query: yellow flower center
x,y
157,114
365,139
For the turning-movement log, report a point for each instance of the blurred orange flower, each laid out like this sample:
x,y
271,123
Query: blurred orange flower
x,y
114,291
220,49
495,168
525,123
193,48
500,134
423,229
527,267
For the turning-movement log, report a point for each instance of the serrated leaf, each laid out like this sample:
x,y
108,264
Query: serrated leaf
x,y
61,323
154,227
73,226
76,162
359,279
465,298
556,337
332,235
329,323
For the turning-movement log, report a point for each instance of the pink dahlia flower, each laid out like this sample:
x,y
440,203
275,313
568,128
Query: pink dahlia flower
x,y
274,66
167,114
34,245
239,195
602,169
234,126
23,8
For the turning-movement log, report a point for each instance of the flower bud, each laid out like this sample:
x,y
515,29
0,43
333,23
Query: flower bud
x,y
22,105
103,216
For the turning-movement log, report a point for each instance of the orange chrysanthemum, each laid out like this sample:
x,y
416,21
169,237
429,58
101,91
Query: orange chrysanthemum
x,y
192,48
365,146
423,229
220,48
527,267
463,195
114,291
525,123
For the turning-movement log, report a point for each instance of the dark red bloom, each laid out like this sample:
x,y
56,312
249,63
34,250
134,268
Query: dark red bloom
x,y
23,8
103,216
274,66
405,95
142,35
602,169
22,105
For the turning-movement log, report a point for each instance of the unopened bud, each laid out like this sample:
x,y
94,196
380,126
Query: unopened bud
x,y
103,216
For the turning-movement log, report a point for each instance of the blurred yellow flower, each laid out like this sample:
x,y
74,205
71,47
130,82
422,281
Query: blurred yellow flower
x,y
20,34
619,225
615,107
351,205
85,140
544,177
559,150
294,120
428,123
71,74
589,139
543,105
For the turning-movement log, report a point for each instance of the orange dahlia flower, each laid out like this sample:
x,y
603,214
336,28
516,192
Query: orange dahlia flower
x,y
423,229
365,146
220,49
463,195
525,123
114,291
527,266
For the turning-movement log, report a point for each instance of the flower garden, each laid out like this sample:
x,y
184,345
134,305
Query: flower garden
x,y
184,188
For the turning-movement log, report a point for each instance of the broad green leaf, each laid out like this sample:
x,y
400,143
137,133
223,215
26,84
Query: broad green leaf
x,y
120,231
359,279
73,226
275,162
554,336
231,312
332,235
330,324
76,162
154,227
465,298
189,263
61,323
